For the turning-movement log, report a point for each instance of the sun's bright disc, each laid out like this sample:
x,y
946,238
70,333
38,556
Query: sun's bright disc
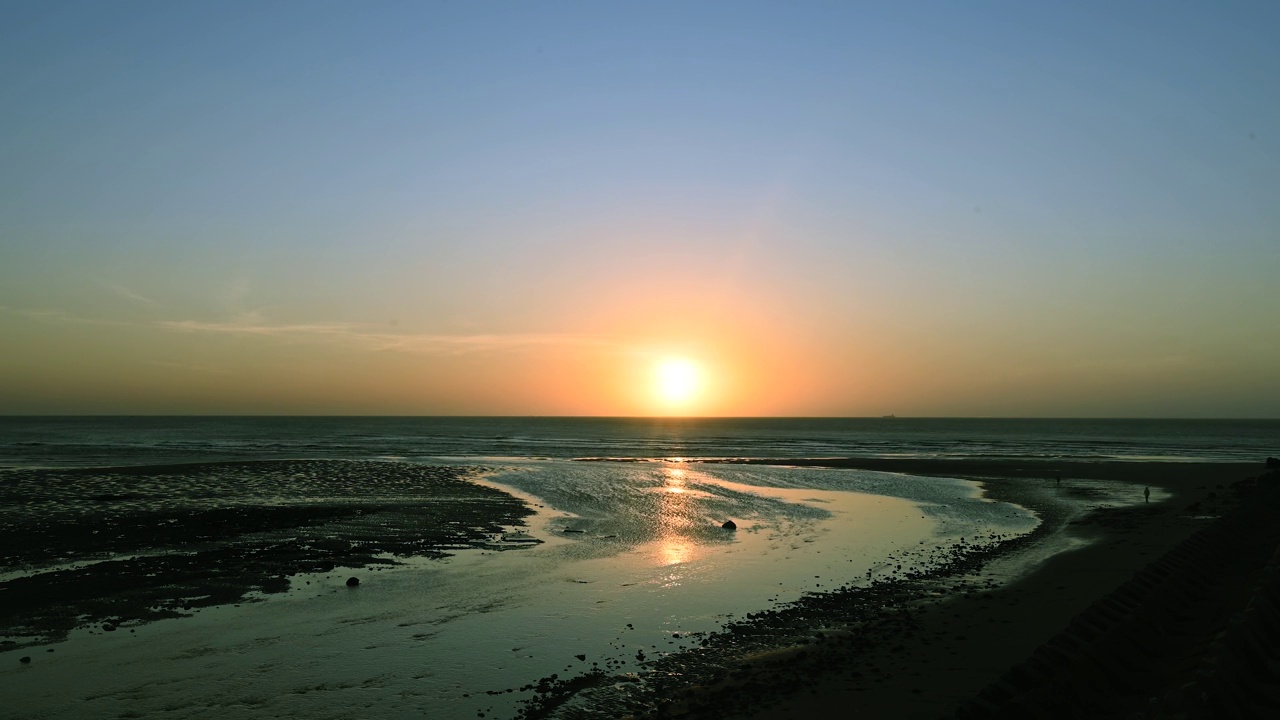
x,y
678,380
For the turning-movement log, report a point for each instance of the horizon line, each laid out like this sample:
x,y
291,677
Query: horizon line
x,y
635,417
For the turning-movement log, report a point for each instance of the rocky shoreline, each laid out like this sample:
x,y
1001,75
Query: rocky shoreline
x,y
110,548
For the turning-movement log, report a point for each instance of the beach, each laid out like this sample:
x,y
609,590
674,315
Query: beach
x,y
964,643
639,361
518,587
512,587
123,546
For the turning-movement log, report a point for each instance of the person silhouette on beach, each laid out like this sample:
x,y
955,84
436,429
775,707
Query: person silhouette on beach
x,y
1146,493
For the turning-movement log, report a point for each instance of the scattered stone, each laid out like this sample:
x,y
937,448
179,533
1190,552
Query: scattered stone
x,y
24,659
1273,463
108,627
730,525
353,581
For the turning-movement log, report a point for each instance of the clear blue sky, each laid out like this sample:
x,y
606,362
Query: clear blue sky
x,y
837,208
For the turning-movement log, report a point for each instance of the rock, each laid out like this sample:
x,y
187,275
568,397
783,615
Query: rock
x,y
24,659
730,525
109,627
353,581
1273,463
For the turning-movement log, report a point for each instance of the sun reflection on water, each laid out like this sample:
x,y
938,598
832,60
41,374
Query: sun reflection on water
x,y
674,479
675,520
674,551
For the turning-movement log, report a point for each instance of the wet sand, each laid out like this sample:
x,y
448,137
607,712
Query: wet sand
x,y
112,548
634,566
933,656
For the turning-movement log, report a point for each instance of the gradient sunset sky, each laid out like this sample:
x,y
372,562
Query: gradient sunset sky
x,y
845,208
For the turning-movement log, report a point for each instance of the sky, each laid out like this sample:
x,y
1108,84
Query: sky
x,y
514,208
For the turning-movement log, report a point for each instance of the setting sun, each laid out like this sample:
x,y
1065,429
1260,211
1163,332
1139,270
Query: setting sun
x,y
677,380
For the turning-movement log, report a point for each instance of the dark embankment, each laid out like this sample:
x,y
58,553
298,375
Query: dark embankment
x,y
1195,634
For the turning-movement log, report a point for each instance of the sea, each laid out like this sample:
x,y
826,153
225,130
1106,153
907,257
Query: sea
x,y
78,441
626,562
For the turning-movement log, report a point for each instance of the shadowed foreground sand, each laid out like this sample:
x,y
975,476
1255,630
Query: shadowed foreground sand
x,y
1120,627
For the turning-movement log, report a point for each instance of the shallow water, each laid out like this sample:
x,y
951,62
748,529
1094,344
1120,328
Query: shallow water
x,y
432,637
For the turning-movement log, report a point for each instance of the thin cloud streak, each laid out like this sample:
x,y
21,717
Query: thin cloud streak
x,y
378,341
253,324
125,292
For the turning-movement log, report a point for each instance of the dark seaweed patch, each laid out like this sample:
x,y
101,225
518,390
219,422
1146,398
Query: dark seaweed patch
x,y
129,545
